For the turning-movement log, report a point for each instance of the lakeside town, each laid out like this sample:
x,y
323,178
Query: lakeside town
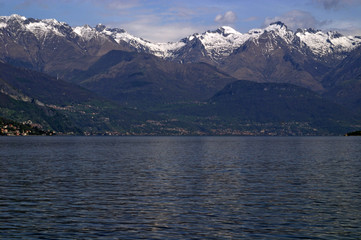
x,y
11,128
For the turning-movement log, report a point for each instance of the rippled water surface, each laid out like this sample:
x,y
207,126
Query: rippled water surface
x,y
180,188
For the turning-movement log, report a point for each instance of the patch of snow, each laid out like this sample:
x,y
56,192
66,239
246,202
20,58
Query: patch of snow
x,y
41,29
217,44
52,22
256,31
222,42
281,30
163,50
269,47
85,32
16,17
326,43
344,43
228,30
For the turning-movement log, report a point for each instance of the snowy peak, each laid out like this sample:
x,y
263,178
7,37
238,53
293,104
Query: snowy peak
x,y
100,32
86,32
163,50
216,45
280,29
100,27
322,44
226,31
39,28
12,18
272,37
278,25
42,28
222,42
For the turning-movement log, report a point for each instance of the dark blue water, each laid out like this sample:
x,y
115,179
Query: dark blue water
x,y
180,188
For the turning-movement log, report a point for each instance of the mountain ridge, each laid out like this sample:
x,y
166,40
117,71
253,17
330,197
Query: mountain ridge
x,y
152,82
224,38
128,77
307,54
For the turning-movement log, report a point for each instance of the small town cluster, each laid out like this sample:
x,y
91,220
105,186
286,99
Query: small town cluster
x,y
8,128
12,130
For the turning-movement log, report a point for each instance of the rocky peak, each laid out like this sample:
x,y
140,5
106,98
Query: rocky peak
x,y
216,45
334,34
279,24
100,27
226,31
12,18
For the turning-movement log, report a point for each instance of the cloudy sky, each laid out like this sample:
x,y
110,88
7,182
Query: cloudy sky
x,y
171,20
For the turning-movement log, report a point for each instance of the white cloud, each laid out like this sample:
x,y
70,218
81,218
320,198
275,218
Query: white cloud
x,y
345,27
300,19
296,19
152,28
228,18
250,19
181,12
121,4
166,24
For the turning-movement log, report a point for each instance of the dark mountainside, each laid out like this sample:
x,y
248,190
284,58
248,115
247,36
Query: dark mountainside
x,y
61,106
139,79
344,82
255,62
248,108
92,81
56,52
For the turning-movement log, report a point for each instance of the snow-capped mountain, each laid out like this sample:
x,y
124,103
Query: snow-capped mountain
x,y
225,40
163,50
131,70
16,25
271,54
51,46
222,42
323,44
216,45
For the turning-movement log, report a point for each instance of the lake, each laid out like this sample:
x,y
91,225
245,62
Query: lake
x,y
180,187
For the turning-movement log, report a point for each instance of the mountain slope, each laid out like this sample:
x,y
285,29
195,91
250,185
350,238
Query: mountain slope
x,y
215,46
36,43
271,58
143,79
276,102
49,46
248,108
344,82
43,88
177,76
60,106
267,102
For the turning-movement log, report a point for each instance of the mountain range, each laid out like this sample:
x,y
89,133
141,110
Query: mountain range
x,y
141,85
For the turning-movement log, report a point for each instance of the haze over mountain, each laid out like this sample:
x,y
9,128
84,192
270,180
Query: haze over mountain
x,y
138,73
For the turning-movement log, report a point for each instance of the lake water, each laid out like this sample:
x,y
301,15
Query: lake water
x,y
180,187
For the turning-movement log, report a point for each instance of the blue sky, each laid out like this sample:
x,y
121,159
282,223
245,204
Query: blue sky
x,y
171,20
